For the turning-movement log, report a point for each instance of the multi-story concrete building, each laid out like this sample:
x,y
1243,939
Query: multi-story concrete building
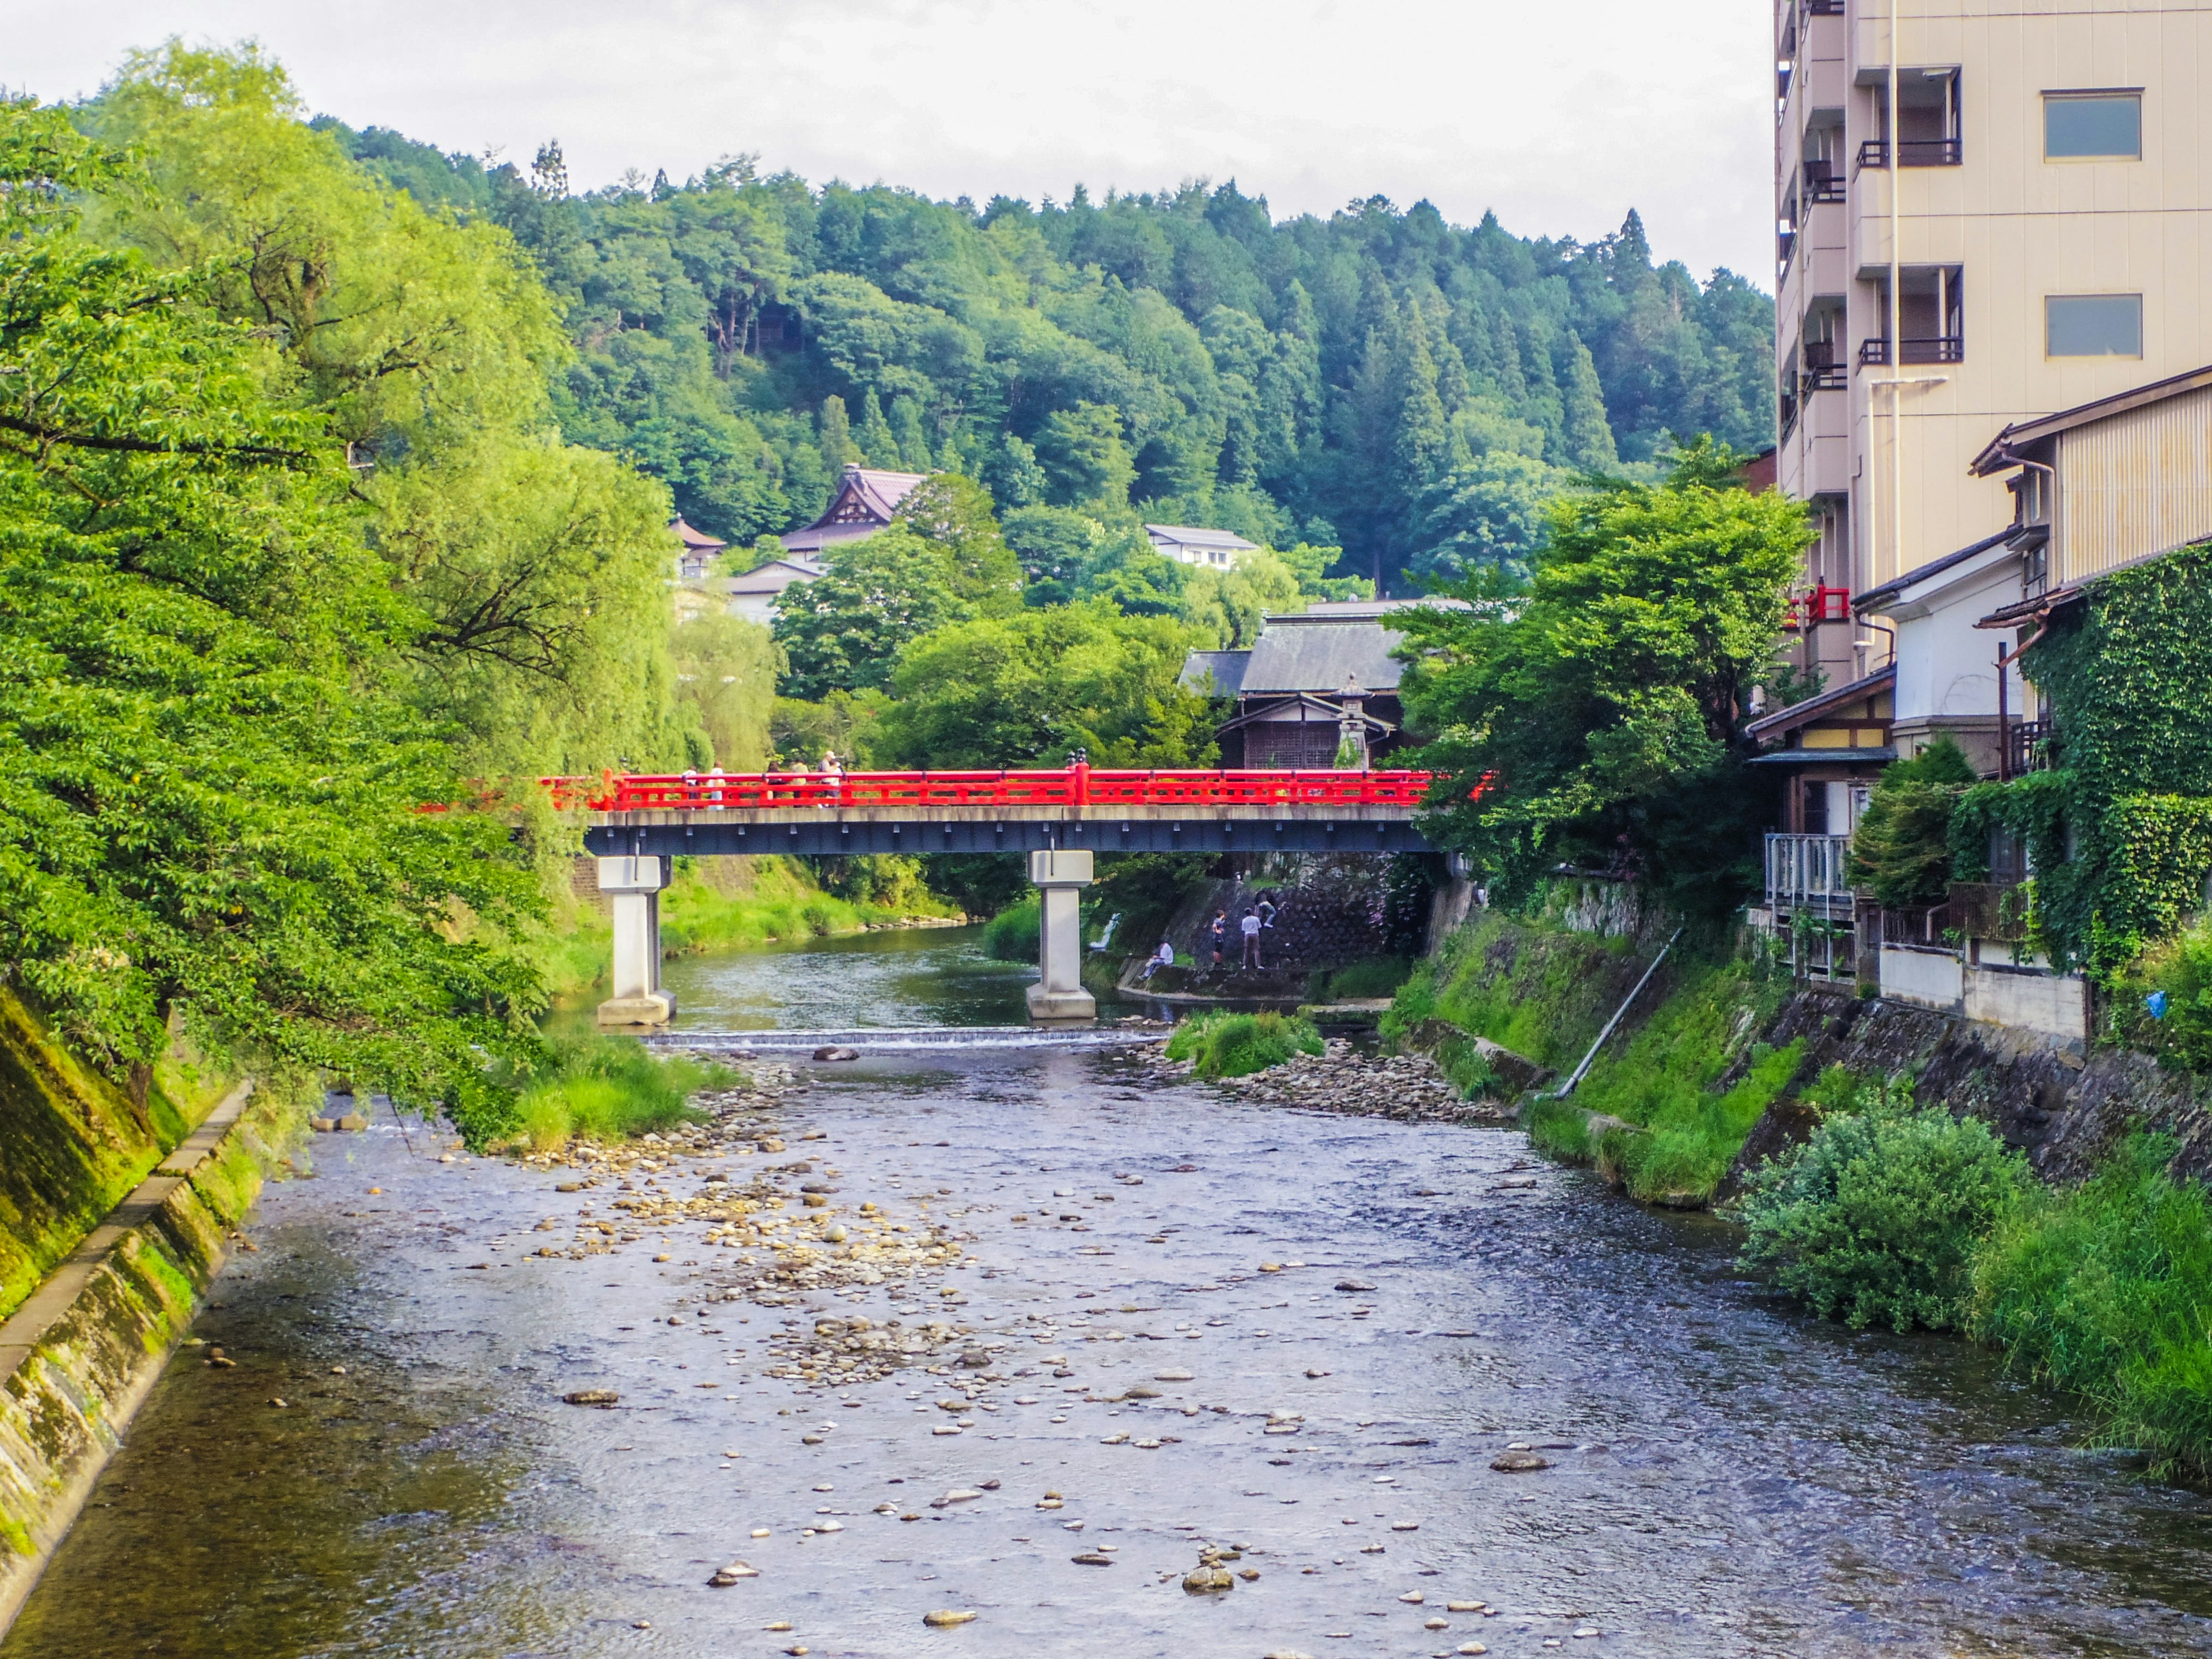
x,y
2034,185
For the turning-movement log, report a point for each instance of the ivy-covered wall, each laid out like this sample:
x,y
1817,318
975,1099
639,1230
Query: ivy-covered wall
x,y
2120,830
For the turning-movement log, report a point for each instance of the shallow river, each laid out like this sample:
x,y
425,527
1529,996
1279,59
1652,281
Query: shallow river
x,y
1726,1477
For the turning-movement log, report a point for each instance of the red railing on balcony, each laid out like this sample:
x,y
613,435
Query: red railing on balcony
x,y
1074,786
1822,604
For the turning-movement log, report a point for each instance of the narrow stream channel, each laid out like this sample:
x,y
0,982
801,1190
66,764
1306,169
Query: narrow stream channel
x,y
1409,1303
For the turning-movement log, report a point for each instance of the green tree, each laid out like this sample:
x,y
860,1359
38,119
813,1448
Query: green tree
x,y
1488,511
1085,458
1901,851
842,631
208,792
1029,688
1603,703
953,513
426,347
726,670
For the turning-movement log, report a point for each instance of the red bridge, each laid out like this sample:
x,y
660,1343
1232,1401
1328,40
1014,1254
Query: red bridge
x,y
638,825
1077,807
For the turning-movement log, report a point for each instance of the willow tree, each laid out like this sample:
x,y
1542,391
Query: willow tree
x,y
425,347
210,778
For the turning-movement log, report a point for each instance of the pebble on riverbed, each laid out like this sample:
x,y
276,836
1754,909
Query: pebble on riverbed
x,y
1408,1088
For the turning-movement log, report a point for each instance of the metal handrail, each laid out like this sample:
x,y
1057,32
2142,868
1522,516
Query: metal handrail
x,y
1079,784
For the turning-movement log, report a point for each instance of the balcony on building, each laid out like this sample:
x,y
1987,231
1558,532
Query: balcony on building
x,y
1930,134
1931,324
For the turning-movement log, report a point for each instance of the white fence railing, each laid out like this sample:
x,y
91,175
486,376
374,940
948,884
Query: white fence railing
x,y
1806,872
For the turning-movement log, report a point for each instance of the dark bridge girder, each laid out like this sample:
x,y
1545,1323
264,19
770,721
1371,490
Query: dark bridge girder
x,y
716,835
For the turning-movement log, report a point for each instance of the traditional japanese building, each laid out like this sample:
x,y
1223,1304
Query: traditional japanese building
x,y
864,502
1316,684
696,557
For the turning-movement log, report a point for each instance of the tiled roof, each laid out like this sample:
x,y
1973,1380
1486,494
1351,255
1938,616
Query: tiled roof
x,y
876,494
1189,536
697,541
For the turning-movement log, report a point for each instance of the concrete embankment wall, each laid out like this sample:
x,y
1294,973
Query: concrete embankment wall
x,y
83,1341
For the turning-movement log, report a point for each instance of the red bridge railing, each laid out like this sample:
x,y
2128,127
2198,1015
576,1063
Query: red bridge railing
x,y
1074,786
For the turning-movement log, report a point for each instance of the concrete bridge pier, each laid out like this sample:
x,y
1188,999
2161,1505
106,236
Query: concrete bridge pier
x,y
1058,997
634,884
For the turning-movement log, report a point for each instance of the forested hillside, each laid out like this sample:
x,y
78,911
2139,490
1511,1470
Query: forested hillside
x,y
1380,380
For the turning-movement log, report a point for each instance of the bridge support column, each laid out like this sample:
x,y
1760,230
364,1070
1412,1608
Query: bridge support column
x,y
635,886
1057,995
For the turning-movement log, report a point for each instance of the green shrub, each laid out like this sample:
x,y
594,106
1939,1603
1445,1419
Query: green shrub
x,y
2107,1290
1237,1045
1877,1218
1013,933
597,1087
1378,978
1902,850
2181,968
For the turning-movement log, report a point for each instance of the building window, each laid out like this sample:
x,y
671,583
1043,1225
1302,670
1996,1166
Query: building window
x,y
2093,126
2092,325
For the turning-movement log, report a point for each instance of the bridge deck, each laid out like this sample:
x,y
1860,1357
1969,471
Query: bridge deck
x,y
1288,829
1075,808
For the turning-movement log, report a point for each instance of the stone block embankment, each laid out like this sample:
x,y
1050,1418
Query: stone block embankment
x,y
78,1357
2062,1103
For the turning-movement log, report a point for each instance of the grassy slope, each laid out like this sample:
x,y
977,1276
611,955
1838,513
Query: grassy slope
x,y
1661,1081
1545,992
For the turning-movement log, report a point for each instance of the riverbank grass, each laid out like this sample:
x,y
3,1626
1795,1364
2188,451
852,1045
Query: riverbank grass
x,y
1222,1044
2106,1289
1682,1135
1012,935
607,1089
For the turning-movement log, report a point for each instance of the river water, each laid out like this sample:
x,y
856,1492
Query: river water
x,y
1410,1302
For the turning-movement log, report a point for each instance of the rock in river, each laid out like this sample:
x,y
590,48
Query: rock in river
x,y
1519,1463
945,1617
591,1397
834,1053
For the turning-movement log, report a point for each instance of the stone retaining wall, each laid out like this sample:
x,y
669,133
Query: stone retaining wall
x,y
80,1355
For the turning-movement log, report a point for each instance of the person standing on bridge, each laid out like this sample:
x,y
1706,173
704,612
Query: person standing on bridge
x,y
1250,926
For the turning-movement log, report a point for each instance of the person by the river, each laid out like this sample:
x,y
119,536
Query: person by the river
x,y
1218,934
1250,926
1163,957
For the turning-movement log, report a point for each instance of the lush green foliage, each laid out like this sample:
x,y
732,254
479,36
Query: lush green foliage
x,y
1029,688
1221,1044
2119,831
1901,851
1603,701
533,571
1012,934
1542,991
1877,1218
1379,380
596,1087
2107,1290
1685,1134
842,631
207,781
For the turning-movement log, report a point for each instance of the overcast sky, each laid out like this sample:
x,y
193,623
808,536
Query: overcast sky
x,y
1559,116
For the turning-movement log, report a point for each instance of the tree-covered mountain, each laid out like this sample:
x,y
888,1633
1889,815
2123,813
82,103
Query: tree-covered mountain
x,y
1381,379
